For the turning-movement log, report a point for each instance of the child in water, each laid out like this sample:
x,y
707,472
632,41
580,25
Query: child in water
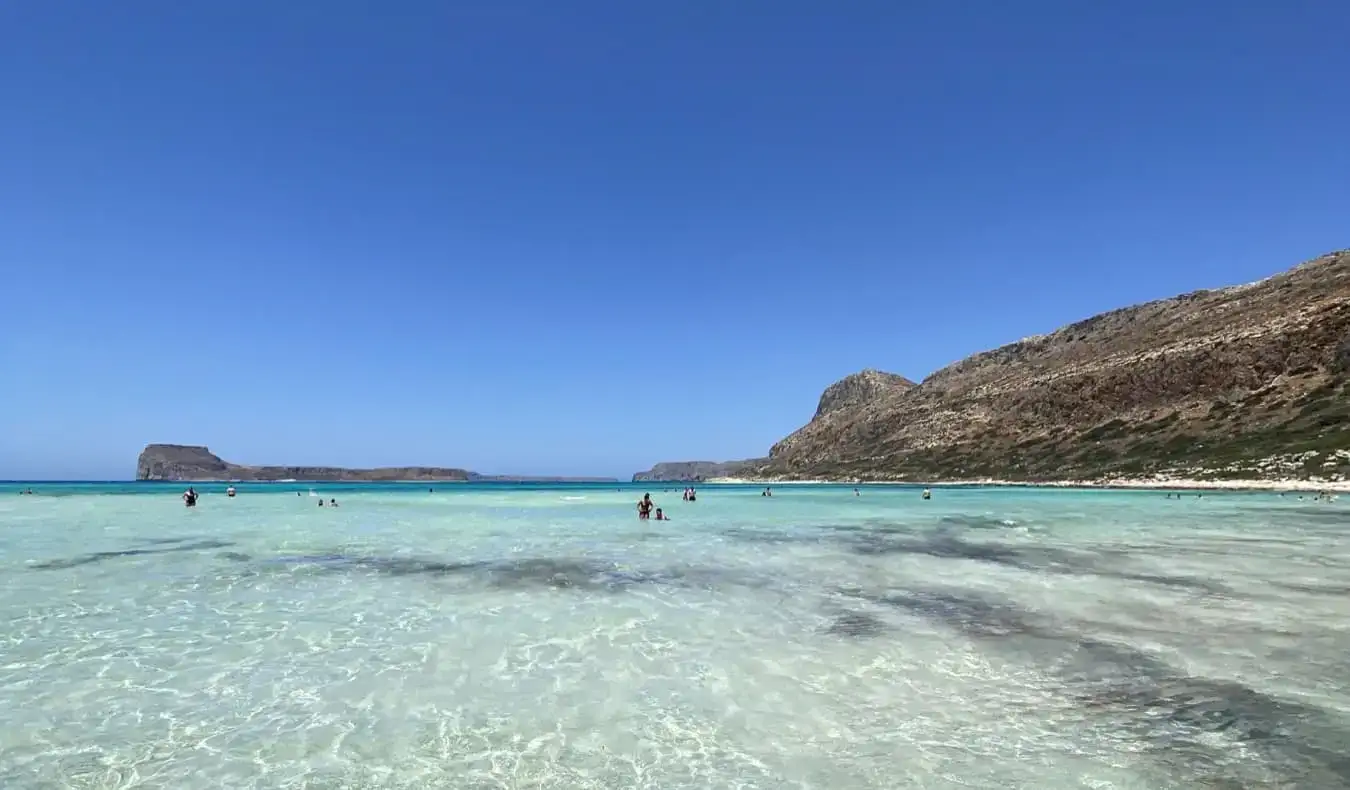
x,y
661,516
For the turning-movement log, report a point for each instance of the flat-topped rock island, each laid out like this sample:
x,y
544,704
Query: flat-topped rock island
x,y
197,464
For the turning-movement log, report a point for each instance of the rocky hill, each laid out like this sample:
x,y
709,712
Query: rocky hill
x,y
696,471
1245,381
198,464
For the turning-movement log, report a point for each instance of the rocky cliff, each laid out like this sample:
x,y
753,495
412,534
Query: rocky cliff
x,y
1245,381
188,463
696,471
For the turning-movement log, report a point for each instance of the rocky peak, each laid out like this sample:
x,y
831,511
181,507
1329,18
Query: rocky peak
x,y
859,389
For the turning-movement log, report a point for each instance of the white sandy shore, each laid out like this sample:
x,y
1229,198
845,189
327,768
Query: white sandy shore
x,y
1158,484
749,481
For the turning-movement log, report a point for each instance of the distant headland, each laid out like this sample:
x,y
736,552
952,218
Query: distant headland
x,y
697,471
197,464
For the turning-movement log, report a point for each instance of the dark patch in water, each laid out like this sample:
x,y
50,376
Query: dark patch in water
x,y
234,555
1336,590
554,573
973,522
164,541
856,624
1160,703
99,556
772,537
973,615
945,543
393,566
1167,580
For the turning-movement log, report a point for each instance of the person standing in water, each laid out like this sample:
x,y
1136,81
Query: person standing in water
x,y
190,497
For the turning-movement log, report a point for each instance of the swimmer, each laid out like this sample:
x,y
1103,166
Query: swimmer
x,y
661,516
332,503
190,497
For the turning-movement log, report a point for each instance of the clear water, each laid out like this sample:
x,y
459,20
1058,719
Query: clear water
x,y
542,637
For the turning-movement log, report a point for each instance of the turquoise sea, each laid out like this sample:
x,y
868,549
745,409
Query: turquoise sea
x,y
509,636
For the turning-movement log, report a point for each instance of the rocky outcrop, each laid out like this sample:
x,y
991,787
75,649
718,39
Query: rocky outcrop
x,y
846,398
859,389
181,462
1210,382
198,464
696,471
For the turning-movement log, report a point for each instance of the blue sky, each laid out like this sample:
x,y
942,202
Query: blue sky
x,y
584,237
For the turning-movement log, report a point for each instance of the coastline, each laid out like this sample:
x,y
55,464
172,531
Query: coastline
x,y
1154,484
291,481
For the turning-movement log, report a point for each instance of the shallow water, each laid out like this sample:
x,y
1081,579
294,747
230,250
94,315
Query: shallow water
x,y
513,637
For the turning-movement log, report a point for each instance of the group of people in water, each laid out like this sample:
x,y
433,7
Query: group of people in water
x,y
190,497
646,508
1322,496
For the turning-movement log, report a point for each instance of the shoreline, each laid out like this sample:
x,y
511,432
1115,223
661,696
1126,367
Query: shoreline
x,y
1160,484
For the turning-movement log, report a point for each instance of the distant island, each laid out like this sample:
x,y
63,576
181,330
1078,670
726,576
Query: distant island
x,y
1249,382
474,477
189,463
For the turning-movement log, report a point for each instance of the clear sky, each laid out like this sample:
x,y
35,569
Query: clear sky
x,y
582,237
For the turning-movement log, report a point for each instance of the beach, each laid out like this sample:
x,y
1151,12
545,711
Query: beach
x,y
500,636
1144,484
